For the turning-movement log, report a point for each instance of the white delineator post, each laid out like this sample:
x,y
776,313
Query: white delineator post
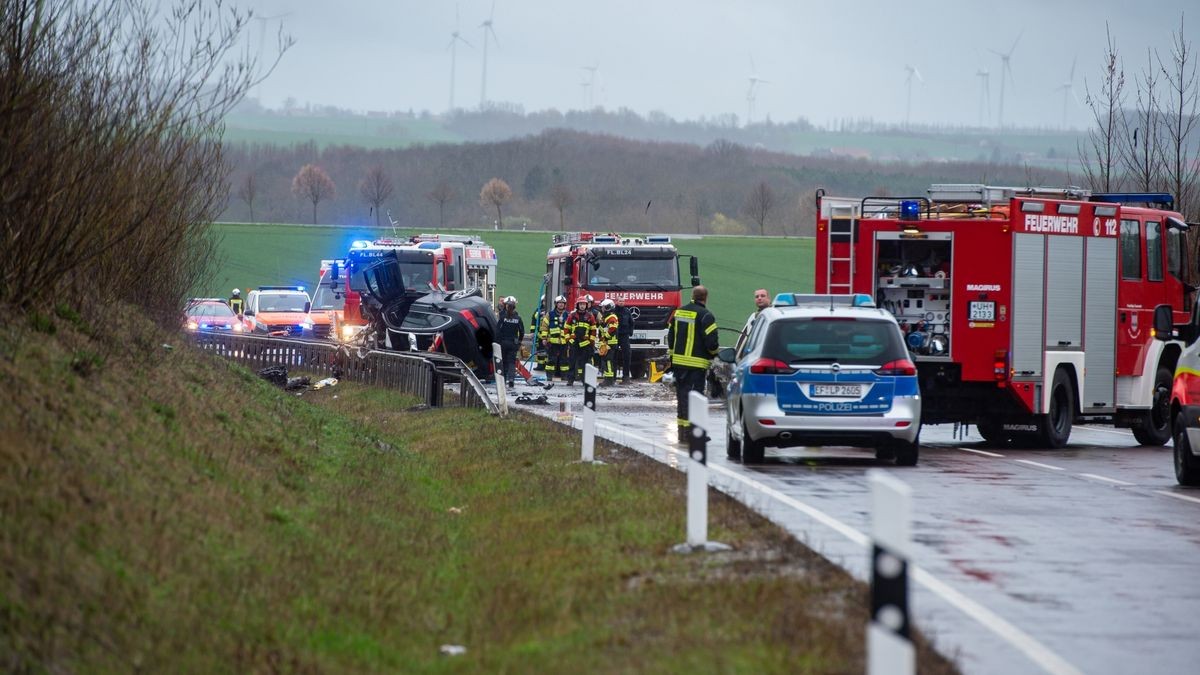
x,y
591,377
697,479
498,360
889,645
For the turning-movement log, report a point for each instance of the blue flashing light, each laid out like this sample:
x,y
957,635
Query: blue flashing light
x,y
299,288
606,240
862,300
360,243
785,300
658,239
910,209
429,244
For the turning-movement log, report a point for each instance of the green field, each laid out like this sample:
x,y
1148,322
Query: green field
x,y
732,267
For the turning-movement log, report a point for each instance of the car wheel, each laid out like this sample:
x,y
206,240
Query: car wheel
x,y
733,447
907,453
1187,465
753,452
885,453
1156,423
1055,425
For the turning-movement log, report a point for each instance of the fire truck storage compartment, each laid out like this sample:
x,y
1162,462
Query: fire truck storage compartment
x,y
913,283
1099,311
1029,259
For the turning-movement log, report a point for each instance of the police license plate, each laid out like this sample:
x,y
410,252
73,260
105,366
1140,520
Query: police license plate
x,y
835,391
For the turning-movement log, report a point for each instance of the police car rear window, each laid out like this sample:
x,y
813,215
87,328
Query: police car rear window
x,y
845,340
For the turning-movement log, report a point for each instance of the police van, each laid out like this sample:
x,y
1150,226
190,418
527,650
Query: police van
x,y
823,370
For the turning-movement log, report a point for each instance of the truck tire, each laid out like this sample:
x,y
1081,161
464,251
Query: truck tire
x,y
1156,422
753,452
1187,465
992,432
1055,426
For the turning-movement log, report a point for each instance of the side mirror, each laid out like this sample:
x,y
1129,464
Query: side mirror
x,y
694,266
1164,328
333,272
727,355
307,307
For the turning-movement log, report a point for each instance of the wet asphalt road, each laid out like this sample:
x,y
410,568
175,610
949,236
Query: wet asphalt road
x,y
1085,559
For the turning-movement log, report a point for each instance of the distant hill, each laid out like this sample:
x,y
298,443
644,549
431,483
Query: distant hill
x,y
610,181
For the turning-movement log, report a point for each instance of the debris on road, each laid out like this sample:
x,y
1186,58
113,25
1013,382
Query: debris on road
x,y
538,400
276,375
295,383
327,382
456,509
453,650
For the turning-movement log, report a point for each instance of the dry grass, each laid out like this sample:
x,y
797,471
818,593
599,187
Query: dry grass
x,y
163,511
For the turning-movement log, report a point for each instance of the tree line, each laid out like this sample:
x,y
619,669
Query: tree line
x,y
564,180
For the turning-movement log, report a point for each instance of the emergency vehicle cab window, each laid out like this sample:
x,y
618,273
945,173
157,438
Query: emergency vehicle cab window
x,y
329,298
290,302
656,273
1174,251
1131,250
210,310
1154,262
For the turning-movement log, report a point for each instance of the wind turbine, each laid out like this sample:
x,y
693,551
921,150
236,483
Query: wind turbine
x,y
1005,74
912,72
487,30
1068,90
590,86
985,95
262,41
751,93
455,38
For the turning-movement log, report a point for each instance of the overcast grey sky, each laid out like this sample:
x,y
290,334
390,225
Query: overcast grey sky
x,y
823,60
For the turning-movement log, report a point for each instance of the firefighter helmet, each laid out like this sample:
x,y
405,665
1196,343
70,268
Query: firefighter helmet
x,y
236,292
581,301
590,299
607,304
561,298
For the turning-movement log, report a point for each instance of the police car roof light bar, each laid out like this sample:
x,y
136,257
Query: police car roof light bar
x,y
823,299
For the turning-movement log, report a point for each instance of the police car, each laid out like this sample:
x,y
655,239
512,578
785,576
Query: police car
x,y
823,370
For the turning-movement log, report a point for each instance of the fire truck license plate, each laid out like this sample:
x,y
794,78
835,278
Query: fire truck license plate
x,y
835,391
981,311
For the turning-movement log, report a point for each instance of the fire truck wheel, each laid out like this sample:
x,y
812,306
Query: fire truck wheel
x,y
1156,424
992,432
1187,466
1055,425
753,452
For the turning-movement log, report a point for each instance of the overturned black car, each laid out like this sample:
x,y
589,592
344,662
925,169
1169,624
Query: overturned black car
x,y
459,323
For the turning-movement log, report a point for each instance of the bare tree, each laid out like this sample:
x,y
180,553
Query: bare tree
x,y
759,204
495,194
248,191
442,193
313,184
561,197
1181,146
1101,157
1141,145
376,188
701,210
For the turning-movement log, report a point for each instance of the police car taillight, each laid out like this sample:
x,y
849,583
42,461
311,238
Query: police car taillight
x,y
770,367
897,368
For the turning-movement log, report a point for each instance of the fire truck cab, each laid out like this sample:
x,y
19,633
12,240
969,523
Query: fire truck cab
x,y
1025,309
644,271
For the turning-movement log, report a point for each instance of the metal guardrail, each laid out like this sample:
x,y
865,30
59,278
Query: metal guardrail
x,y
426,375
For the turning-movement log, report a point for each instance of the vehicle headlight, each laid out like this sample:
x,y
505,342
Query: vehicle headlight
x,y
349,332
237,328
306,325
192,325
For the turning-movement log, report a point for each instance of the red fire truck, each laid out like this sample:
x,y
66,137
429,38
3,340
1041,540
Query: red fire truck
x,y
1025,309
642,270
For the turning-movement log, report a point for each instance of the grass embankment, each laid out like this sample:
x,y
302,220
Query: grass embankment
x,y
731,267
164,511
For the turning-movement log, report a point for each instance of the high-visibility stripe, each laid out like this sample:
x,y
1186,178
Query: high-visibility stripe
x,y
690,361
710,329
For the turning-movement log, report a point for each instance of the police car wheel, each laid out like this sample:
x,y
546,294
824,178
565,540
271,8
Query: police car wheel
x,y
908,453
733,447
753,452
885,453
1187,465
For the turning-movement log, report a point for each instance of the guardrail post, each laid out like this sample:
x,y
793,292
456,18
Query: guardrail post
x,y
889,646
697,479
591,378
498,365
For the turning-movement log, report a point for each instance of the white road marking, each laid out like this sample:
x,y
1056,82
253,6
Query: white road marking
x,y
1106,479
985,453
1030,462
1037,652
1176,495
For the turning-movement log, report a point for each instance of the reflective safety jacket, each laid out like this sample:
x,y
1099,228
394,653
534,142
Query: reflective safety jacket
x,y
236,305
553,327
610,327
692,337
581,328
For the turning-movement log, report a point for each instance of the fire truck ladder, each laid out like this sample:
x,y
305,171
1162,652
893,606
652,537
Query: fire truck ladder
x,y
841,230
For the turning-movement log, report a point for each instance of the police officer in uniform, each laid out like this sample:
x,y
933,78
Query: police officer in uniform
x,y
692,339
510,332
624,335
553,336
235,301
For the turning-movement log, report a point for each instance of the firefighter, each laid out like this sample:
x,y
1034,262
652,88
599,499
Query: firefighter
x,y
624,335
581,334
609,325
594,309
552,334
235,301
509,333
692,339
